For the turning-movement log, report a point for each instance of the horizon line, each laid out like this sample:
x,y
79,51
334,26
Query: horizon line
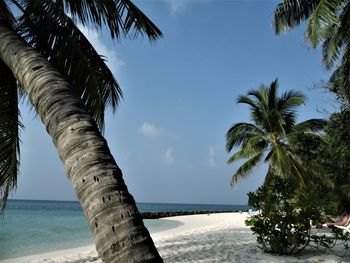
x,y
46,200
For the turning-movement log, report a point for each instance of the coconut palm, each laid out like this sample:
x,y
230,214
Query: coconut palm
x,y
328,23
44,55
271,134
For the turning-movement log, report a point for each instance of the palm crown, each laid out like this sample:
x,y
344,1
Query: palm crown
x,y
47,27
272,134
328,23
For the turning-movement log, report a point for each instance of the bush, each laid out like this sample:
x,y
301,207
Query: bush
x,y
283,225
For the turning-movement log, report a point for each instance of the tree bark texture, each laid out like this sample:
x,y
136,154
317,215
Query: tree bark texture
x,y
116,224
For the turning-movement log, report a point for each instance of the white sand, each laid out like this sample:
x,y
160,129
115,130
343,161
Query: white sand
x,y
200,238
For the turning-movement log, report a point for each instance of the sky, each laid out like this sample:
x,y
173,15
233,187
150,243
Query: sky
x,y
168,135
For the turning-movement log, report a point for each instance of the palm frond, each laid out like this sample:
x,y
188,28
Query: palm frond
x,y
291,13
276,122
242,154
248,101
311,125
55,36
9,134
290,100
268,156
256,111
137,21
323,16
262,96
268,177
332,45
272,94
286,164
289,119
337,85
249,148
336,36
343,75
239,133
309,136
120,16
245,169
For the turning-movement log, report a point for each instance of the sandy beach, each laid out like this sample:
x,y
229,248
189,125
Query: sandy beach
x,y
200,238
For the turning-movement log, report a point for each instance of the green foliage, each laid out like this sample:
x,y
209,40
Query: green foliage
x,y
335,155
283,226
10,127
329,160
273,128
328,24
287,218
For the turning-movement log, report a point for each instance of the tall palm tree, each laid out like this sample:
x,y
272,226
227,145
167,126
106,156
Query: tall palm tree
x,y
271,134
328,23
43,55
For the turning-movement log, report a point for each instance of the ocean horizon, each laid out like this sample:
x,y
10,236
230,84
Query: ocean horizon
x,y
39,226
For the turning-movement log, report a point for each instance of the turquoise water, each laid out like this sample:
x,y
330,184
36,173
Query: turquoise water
x,y
31,227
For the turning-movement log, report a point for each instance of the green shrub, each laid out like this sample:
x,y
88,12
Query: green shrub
x,y
283,225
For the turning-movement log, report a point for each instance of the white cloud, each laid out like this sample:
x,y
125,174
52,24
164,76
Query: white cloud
x,y
176,6
150,130
113,61
168,155
211,157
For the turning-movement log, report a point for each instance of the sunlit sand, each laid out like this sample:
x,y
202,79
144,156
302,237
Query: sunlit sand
x,y
201,238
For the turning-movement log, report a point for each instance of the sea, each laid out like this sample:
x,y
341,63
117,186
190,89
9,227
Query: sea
x,y
32,227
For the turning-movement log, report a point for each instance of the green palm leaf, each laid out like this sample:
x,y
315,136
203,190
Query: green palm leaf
x,y
57,38
329,23
332,45
250,147
244,170
120,16
291,13
290,100
285,164
324,15
311,125
9,134
239,133
272,95
345,72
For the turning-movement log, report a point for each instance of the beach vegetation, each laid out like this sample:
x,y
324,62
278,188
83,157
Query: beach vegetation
x,y
291,215
289,218
330,157
45,57
327,26
271,135
282,226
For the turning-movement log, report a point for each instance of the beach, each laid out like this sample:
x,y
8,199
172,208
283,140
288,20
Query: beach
x,y
199,238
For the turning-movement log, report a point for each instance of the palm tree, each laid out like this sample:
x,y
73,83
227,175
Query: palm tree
x,y
271,134
328,23
43,55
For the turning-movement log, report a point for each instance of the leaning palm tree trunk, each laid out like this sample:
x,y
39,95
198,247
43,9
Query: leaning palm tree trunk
x,y
114,220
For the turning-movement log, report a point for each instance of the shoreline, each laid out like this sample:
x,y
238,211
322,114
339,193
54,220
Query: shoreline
x,y
221,237
157,215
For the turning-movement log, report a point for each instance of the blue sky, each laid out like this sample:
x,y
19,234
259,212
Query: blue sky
x,y
168,135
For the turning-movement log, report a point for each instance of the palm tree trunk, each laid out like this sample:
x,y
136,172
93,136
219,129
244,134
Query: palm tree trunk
x,y
116,224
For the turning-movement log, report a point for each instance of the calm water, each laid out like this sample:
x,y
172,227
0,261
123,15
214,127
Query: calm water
x,y
31,227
